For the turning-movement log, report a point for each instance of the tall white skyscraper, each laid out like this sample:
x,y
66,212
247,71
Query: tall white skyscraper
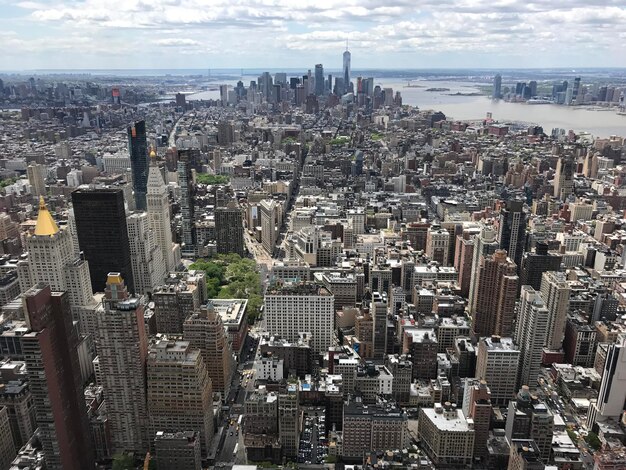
x,y
530,334
51,260
555,293
146,258
612,395
159,213
485,243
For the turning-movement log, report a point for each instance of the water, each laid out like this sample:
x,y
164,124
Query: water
x,y
599,123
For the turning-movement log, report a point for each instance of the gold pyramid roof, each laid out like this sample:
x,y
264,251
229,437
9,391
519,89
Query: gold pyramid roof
x,y
46,226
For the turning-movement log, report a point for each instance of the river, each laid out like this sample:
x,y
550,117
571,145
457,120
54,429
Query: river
x,y
600,123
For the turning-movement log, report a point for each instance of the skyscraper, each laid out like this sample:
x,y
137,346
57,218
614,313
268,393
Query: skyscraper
x,y
103,234
319,79
477,406
512,230
138,149
187,193
229,229
496,294
36,178
180,394
555,292
534,265
121,365
158,207
612,395
484,244
49,349
268,210
52,261
205,331
498,363
346,70
531,331
563,178
497,87
378,310
146,257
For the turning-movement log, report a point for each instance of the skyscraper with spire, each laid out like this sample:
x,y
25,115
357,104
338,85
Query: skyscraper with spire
x,y
346,68
138,149
158,207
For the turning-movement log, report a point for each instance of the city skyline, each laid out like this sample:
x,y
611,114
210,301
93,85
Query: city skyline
x,y
199,34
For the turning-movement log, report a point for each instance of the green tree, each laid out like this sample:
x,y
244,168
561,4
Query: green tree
x,y
123,462
205,178
593,440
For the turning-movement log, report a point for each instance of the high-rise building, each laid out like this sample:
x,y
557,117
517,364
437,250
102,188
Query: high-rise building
x,y
54,378
485,244
346,70
205,331
138,149
537,263
512,230
182,293
146,257
187,194
37,178
612,395
177,450
531,331
477,407
52,261
564,177
438,245
229,229
422,346
378,310
495,295
121,365
289,419
555,292
268,224
497,87
7,449
524,455
291,309
497,364
530,418
180,393
158,207
103,234
319,79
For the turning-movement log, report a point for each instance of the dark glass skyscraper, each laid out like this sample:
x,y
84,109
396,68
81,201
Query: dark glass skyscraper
x,y
187,193
54,379
319,79
512,230
497,87
139,162
103,234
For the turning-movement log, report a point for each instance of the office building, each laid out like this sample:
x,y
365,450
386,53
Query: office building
x,y
178,450
512,230
367,428
555,292
187,195
497,87
296,356
146,256
378,311
138,150
103,234
291,309
205,331
564,177
289,419
15,395
319,79
121,365
496,293
446,436
346,70
180,392
158,208
485,244
498,364
524,455
268,224
54,380
530,418
579,343
612,394
531,332
537,263
422,346
37,179
52,261
229,229
182,293
438,245
7,449
477,407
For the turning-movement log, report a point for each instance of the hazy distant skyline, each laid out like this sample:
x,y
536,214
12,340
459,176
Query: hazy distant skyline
x,y
93,34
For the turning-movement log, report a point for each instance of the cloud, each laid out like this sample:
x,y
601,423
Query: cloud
x,y
174,42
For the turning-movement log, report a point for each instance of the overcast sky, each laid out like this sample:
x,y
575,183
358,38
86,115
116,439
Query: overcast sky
x,y
96,34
